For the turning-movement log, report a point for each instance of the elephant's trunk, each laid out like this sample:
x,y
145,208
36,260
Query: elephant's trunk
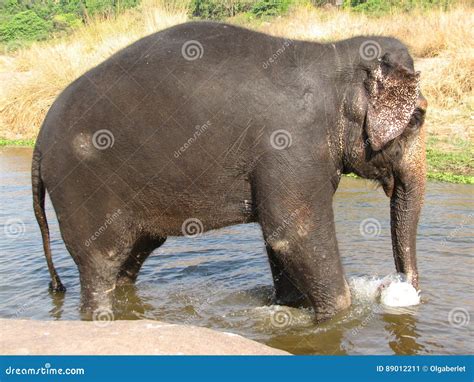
x,y
405,207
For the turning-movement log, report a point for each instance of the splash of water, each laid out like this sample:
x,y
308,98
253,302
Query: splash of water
x,y
400,293
392,290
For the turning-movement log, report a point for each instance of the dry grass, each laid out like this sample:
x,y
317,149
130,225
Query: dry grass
x,y
440,41
33,78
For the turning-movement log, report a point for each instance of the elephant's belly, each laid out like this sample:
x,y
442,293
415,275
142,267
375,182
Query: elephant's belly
x,y
169,208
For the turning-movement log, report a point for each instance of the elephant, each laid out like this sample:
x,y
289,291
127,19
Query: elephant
x,y
205,125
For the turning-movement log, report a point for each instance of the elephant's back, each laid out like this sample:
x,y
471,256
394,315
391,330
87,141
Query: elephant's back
x,y
138,119
159,89
163,69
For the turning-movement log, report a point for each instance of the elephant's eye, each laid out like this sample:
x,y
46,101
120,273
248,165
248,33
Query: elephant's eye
x,y
417,118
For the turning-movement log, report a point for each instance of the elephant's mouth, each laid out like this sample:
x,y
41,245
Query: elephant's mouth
x,y
388,184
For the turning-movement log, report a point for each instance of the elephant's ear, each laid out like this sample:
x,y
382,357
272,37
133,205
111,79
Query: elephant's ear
x,y
393,91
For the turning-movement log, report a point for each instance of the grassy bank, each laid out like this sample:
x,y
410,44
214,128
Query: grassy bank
x,y
440,40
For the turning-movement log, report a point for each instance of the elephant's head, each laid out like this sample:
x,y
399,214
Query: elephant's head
x,y
384,116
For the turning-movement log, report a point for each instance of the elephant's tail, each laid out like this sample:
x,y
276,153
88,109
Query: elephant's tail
x,y
39,193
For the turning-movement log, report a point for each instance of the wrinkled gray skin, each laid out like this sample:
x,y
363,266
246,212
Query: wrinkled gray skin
x,y
342,111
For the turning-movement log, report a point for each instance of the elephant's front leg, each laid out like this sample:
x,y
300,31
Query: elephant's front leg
x,y
286,291
302,239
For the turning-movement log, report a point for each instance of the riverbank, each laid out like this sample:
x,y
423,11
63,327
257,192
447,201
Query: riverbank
x,y
140,337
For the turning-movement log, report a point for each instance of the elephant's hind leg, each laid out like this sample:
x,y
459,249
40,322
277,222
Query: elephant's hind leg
x,y
102,270
140,251
98,272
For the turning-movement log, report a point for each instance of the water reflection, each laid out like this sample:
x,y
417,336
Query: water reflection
x,y
57,302
403,334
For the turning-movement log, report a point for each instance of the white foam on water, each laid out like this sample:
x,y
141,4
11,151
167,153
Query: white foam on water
x,y
400,293
392,290
365,288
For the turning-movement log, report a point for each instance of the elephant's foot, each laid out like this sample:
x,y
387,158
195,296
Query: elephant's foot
x,y
97,305
332,304
286,291
291,300
97,291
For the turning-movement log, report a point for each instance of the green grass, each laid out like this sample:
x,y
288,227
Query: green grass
x,y
23,21
450,178
450,161
17,142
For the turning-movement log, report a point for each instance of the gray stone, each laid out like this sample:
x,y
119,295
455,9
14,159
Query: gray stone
x,y
121,337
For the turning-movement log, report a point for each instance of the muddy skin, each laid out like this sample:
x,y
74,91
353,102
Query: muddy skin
x,y
157,142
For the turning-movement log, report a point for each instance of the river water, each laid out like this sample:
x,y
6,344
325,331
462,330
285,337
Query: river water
x,y
222,279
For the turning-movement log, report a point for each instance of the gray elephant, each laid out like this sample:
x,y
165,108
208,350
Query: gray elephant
x,y
205,125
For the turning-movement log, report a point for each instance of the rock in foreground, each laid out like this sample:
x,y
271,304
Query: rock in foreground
x,y
121,337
